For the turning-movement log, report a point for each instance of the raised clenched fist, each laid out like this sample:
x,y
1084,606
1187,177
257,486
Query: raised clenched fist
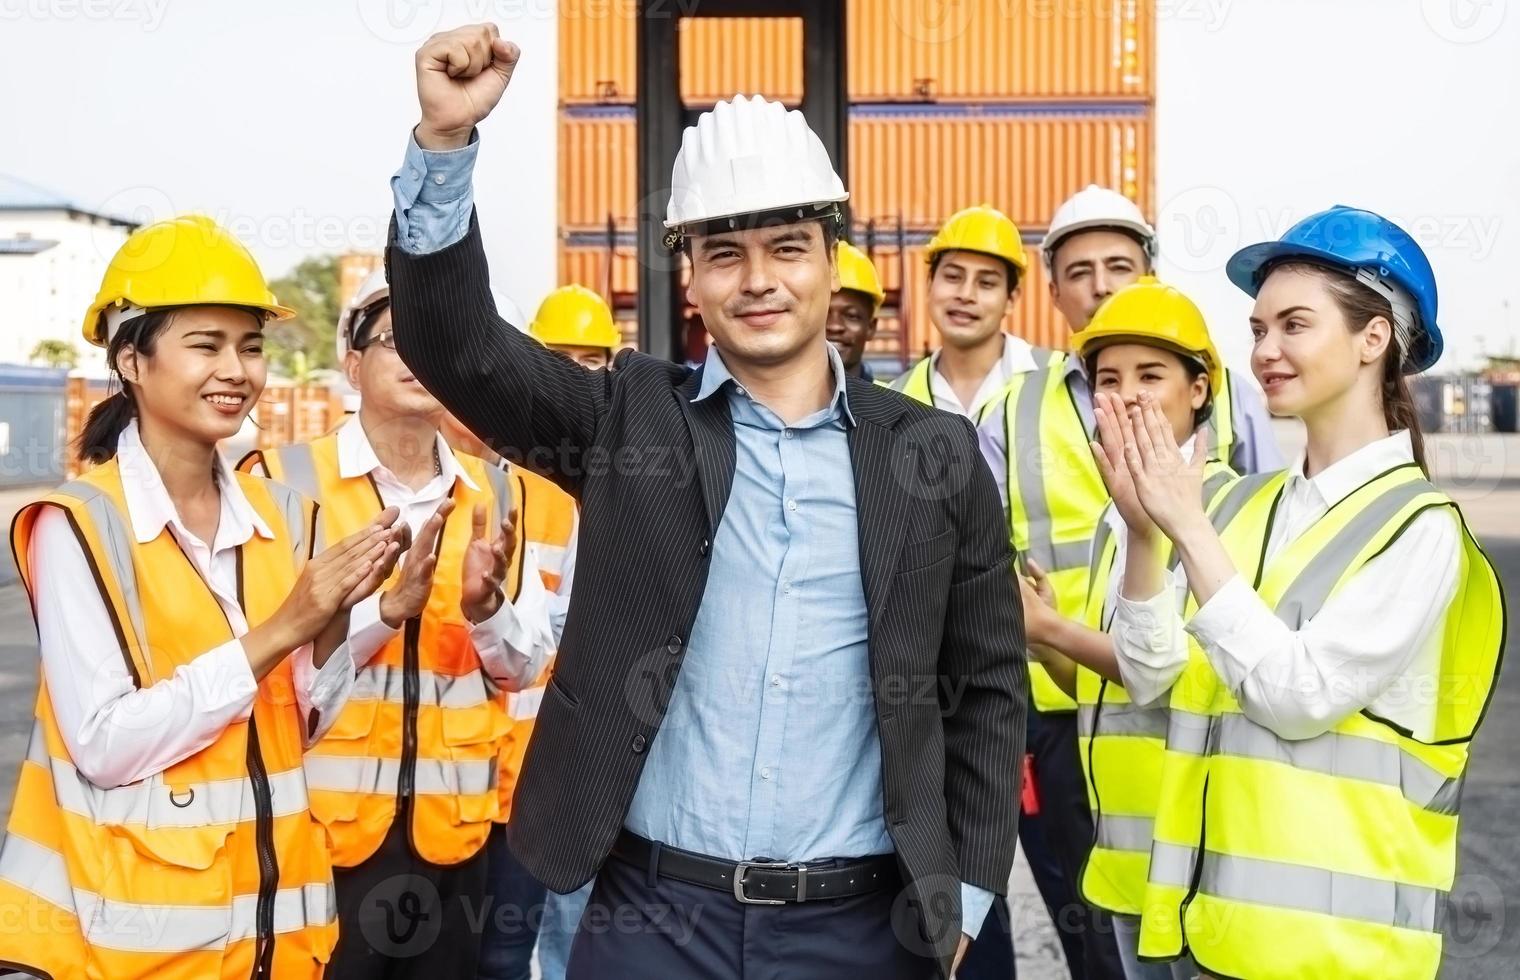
x,y
461,75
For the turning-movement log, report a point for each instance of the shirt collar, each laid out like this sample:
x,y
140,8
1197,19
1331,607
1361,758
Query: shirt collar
x,y
1337,481
356,455
150,508
715,374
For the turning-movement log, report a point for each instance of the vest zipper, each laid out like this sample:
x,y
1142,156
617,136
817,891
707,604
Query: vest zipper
x,y
269,868
410,683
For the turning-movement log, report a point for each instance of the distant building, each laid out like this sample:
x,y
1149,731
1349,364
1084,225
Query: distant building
x,y
53,253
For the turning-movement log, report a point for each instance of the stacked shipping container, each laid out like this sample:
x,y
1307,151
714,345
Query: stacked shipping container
x,y
1015,103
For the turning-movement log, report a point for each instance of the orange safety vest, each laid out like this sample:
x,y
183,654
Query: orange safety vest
x,y
546,522
421,733
212,867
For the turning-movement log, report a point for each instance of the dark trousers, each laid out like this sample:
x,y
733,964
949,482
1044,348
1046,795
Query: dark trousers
x,y
1055,840
400,917
638,926
517,901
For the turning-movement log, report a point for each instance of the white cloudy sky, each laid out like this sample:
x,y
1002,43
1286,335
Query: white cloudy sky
x,y
286,119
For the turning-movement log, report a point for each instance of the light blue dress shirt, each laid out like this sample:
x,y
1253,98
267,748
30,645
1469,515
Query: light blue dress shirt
x,y
769,746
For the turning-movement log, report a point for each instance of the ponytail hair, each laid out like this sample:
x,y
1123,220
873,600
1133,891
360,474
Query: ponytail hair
x,y
1360,305
97,443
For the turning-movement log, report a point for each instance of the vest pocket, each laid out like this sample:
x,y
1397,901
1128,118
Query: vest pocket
x,y
472,739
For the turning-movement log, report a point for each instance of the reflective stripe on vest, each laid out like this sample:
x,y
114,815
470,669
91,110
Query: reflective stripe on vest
x,y
164,876
918,381
427,684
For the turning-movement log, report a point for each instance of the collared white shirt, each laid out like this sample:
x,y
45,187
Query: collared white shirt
x,y
515,643
1375,644
1018,358
117,733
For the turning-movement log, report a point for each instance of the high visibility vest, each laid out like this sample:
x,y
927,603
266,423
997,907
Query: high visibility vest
x,y
918,381
212,867
546,522
1346,842
420,735
1056,495
1121,747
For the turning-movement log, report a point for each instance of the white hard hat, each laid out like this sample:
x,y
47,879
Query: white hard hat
x,y
1097,207
750,156
371,291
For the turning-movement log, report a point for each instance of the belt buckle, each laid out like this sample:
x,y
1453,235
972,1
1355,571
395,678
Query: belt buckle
x,y
744,866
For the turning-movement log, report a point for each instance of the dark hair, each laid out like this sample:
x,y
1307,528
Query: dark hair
x,y
97,443
1190,364
1360,304
1013,270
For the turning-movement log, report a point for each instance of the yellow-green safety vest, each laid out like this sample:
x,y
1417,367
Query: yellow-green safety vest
x,y
1121,747
1331,856
918,381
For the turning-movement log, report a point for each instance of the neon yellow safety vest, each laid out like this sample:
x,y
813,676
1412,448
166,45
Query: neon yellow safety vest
x,y
918,381
1121,747
1331,856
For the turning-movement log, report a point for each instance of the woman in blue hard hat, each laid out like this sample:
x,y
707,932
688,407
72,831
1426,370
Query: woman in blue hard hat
x,y
1340,645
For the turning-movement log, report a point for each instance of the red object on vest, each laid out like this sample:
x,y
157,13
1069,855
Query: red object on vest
x,y
1029,796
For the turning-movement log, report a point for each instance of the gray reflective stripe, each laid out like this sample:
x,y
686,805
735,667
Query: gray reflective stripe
x,y
1118,833
298,469
364,774
128,926
1042,357
1052,556
1122,719
1335,893
1215,483
1171,864
384,682
523,705
1345,756
1236,498
1188,732
36,869
294,512
1306,595
1099,545
152,802
117,540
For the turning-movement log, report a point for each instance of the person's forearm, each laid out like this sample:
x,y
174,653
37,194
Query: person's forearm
x,y
332,636
1144,569
1204,558
1088,647
266,645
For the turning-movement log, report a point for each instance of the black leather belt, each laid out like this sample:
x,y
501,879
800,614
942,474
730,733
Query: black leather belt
x,y
761,882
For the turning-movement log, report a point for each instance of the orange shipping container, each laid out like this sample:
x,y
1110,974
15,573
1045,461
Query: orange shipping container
x,y
918,166
898,50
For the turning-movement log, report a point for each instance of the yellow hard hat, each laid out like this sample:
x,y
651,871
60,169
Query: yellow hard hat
x,y
856,272
982,229
574,316
184,261
1149,312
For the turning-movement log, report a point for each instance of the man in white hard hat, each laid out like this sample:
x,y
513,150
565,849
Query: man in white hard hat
x,y
785,723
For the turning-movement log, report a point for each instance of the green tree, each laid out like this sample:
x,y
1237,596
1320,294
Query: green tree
x,y
55,354
311,289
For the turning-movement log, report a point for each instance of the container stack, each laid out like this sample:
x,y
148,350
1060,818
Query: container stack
x,y
1017,105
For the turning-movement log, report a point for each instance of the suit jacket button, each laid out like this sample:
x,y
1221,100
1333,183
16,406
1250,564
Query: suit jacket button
x,y
638,743
704,548
673,645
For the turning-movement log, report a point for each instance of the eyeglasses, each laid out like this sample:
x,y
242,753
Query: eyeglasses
x,y
385,338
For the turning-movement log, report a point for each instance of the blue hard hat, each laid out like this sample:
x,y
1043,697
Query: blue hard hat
x,y
1351,239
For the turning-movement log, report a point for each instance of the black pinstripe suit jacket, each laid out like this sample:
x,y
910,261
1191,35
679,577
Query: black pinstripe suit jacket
x,y
653,470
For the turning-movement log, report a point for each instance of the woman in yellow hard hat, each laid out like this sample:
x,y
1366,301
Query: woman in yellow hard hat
x,y
192,644
1146,338
578,323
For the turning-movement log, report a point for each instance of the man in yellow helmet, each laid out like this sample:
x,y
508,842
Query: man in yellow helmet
x,y
853,309
578,323
976,269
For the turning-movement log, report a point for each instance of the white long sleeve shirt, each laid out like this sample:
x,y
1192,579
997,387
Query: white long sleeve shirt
x,y
115,732
1017,358
516,642
1376,643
